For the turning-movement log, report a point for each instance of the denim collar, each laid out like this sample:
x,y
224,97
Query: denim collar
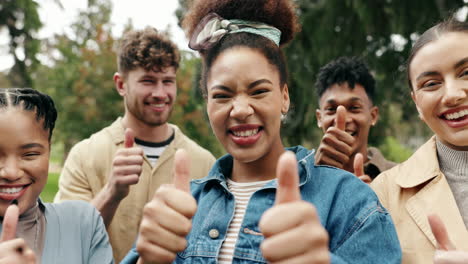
x,y
222,169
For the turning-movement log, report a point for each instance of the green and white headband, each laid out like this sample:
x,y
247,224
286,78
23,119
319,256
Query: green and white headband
x,y
212,28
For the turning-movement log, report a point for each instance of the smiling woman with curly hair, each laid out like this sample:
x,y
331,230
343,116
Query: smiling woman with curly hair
x,y
261,202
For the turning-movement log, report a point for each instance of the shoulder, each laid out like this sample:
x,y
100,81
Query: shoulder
x,y
72,210
97,142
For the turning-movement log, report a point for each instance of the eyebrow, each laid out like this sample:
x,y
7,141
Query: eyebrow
x,y
433,73
352,99
252,85
221,87
425,74
460,63
148,76
32,145
258,82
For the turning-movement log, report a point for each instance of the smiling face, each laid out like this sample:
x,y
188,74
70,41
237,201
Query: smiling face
x,y
439,77
24,158
245,103
360,114
149,96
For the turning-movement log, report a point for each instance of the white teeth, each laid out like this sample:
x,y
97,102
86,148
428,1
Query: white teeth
x,y
457,115
11,190
245,133
158,105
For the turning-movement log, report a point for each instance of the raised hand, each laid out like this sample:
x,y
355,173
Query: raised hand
x,y
13,250
126,167
336,145
167,217
292,219
359,168
446,252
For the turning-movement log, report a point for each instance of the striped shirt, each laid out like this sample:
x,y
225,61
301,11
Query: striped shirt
x,y
153,150
242,193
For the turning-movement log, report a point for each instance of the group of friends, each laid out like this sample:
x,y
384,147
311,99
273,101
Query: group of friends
x,y
140,191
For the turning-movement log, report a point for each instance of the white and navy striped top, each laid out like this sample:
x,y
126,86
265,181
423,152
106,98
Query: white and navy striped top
x,y
153,150
242,192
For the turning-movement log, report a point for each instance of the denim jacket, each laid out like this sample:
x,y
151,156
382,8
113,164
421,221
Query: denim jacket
x,y
360,229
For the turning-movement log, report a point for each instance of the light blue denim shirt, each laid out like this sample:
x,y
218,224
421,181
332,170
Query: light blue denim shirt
x,y
360,229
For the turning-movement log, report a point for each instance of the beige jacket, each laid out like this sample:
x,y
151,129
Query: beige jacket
x,y
411,191
89,164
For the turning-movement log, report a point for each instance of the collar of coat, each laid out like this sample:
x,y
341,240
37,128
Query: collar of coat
x,y
422,166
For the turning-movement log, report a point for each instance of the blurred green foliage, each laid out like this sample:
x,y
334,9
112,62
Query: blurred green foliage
x,y
21,21
394,150
51,188
79,66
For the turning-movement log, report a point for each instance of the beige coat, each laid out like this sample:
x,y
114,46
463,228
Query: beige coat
x,y
88,167
411,191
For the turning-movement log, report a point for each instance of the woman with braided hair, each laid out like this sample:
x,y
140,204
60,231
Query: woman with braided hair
x,y
260,202
33,231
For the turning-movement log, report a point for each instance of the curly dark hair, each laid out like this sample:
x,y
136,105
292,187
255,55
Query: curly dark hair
x,y
31,100
434,33
277,13
147,48
351,70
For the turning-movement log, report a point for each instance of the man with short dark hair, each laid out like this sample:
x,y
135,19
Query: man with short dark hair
x,y
346,113
118,168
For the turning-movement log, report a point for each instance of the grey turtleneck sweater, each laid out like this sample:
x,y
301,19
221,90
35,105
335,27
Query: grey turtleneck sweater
x,y
454,165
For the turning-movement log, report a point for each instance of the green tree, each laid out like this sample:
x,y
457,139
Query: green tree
x,y
21,20
380,31
189,112
79,76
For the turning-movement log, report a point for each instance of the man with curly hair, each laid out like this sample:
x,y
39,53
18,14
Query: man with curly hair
x,y
345,89
118,168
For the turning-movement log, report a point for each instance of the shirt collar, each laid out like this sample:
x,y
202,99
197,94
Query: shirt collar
x,y
421,167
223,167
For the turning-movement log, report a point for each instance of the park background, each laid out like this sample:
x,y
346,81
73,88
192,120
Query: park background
x,y
76,65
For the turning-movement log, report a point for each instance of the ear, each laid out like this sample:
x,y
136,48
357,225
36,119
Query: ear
x,y
119,84
318,115
374,115
285,101
413,96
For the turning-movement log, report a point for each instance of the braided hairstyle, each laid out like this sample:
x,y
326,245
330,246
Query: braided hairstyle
x,y
276,13
31,100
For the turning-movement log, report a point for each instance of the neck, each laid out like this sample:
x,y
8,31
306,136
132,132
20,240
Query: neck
x,y
259,170
452,162
147,132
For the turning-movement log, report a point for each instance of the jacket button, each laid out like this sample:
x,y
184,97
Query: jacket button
x,y
213,233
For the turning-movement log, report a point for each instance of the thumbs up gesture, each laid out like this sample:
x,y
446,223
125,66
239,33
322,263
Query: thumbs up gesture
x,y
336,145
13,250
359,168
126,167
292,229
167,217
446,252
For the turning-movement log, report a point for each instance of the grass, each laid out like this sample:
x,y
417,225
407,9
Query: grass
x,y
51,188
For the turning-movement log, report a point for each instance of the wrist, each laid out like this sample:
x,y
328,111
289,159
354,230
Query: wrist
x,y
112,195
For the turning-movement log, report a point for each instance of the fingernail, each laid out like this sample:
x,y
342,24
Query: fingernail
x,y
15,202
